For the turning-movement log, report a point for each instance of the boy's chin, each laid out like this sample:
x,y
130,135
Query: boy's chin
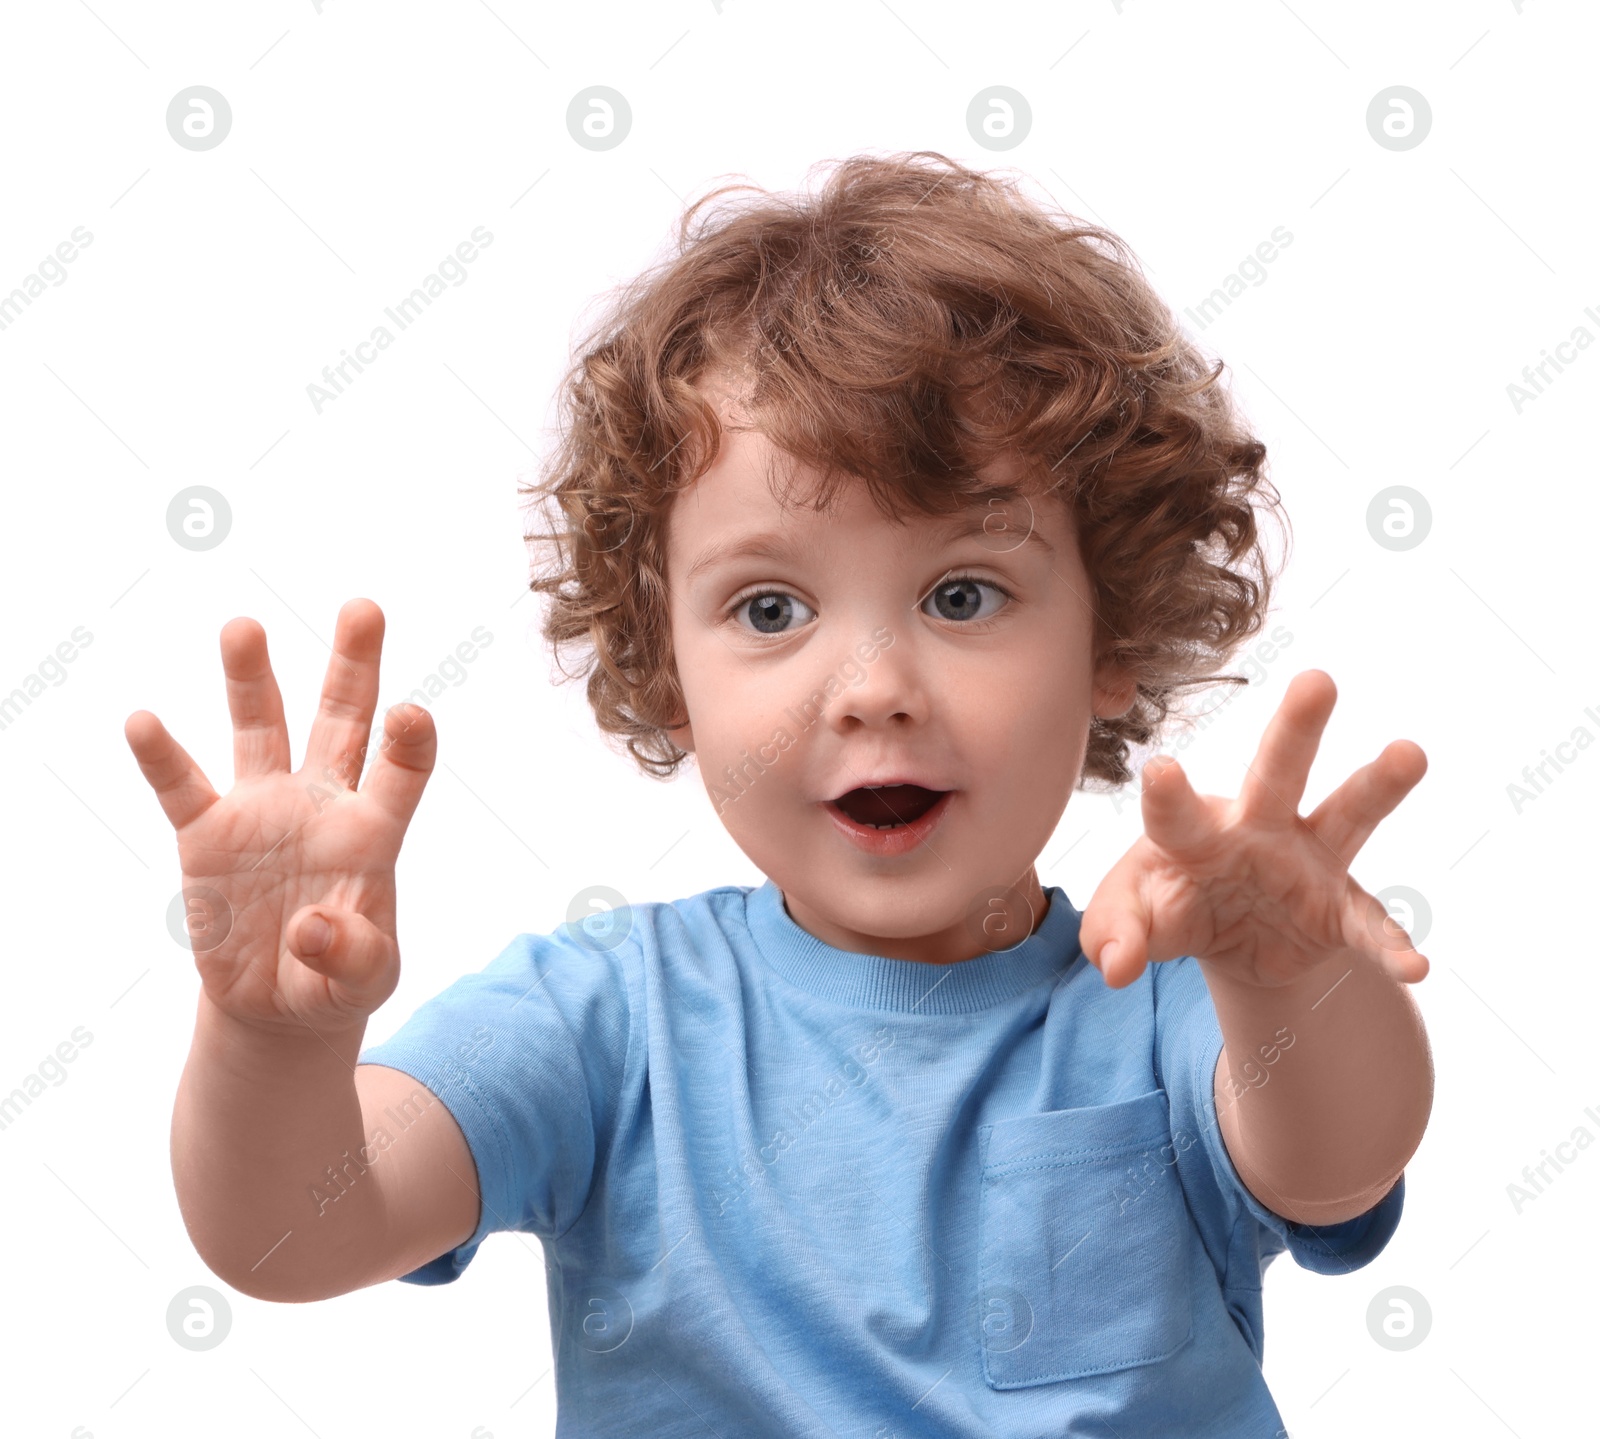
x,y
948,916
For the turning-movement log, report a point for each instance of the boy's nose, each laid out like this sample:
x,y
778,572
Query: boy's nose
x,y
889,688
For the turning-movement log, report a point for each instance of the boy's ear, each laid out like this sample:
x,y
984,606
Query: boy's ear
x,y
683,737
1114,692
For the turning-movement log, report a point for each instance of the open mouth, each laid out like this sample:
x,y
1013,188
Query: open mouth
x,y
890,806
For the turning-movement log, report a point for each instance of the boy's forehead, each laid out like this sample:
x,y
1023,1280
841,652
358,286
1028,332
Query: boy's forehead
x,y
754,487
753,491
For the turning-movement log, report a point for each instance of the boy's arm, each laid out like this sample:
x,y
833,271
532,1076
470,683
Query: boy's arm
x,y
290,907
1285,937
1321,1132
262,1116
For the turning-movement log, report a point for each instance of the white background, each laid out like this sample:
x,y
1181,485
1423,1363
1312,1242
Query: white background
x,y
368,141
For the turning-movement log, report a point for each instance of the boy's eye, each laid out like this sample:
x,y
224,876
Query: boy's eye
x,y
770,613
963,599
774,612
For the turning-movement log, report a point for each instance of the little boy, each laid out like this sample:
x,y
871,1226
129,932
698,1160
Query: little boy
x,y
906,510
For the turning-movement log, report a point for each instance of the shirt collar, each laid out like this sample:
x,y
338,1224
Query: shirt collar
x,y
871,981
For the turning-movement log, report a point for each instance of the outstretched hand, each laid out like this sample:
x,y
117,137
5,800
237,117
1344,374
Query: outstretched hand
x,y
286,848
1260,893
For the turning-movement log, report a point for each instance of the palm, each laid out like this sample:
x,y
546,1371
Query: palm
x,y
1222,898
1249,884
283,840
268,851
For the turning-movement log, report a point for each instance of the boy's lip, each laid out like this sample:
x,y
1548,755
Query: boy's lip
x,y
886,843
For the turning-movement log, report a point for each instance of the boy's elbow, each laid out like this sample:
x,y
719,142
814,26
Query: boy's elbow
x,y
284,1288
274,1278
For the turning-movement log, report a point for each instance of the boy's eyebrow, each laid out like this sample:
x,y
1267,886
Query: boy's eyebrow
x,y
780,546
976,522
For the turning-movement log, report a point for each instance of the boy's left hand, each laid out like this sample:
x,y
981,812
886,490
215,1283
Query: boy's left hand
x,y
1248,885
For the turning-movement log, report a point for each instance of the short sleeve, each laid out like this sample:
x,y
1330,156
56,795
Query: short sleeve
x,y
1188,1044
528,1055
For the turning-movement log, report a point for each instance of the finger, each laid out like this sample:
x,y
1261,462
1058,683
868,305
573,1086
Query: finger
x,y
1346,819
1175,817
405,760
1371,929
1114,930
1275,781
260,738
342,726
178,781
356,958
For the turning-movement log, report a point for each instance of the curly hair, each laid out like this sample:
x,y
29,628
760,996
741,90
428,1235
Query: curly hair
x,y
904,326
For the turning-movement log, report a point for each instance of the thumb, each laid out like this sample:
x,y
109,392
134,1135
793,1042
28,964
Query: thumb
x,y
357,957
1114,933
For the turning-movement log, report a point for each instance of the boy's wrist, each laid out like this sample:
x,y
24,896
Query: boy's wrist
x,y
247,1043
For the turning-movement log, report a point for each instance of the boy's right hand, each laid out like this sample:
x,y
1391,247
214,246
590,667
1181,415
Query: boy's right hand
x,y
282,848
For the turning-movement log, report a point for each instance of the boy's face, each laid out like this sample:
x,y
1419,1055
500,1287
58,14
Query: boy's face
x,y
859,652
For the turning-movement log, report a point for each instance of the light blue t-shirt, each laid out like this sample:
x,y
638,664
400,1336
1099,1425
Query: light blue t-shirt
x,y
788,1190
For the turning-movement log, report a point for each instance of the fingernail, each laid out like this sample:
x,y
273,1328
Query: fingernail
x,y
1108,952
315,934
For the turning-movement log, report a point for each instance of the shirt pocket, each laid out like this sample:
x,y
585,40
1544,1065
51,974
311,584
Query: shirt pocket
x,y
1084,1244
